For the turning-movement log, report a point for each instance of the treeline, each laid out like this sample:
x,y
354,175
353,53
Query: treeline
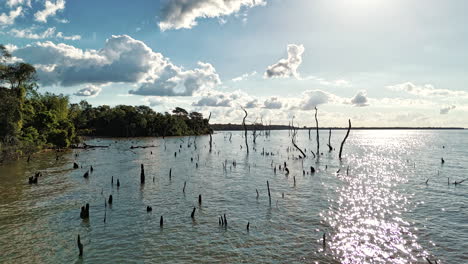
x,y
136,121
30,121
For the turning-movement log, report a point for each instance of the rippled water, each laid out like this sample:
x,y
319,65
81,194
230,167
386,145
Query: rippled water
x,y
376,209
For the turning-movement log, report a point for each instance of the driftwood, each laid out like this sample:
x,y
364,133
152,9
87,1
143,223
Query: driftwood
x,y
245,129
86,146
344,140
143,147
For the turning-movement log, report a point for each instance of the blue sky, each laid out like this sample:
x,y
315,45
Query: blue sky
x,y
380,63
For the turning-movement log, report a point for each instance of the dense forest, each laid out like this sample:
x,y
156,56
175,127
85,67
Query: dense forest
x,y
31,121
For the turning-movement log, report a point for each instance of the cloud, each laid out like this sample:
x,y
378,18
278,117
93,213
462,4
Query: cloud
x,y
273,103
13,3
244,76
322,81
90,90
155,101
121,60
287,67
9,19
50,9
313,98
48,33
426,90
223,99
177,14
27,33
174,81
252,104
445,110
217,100
360,99
72,37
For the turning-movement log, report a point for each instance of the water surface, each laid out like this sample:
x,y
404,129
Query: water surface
x,y
376,209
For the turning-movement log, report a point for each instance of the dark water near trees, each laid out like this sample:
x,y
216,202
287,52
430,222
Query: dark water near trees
x,y
381,212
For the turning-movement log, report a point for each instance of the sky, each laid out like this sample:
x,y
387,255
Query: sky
x,y
376,62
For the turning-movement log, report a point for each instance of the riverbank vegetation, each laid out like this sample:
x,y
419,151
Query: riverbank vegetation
x,y
31,121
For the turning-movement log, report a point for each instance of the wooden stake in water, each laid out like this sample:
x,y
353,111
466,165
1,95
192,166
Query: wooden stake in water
x,y
183,190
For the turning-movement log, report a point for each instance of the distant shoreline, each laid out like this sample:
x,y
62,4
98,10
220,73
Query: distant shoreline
x,y
234,127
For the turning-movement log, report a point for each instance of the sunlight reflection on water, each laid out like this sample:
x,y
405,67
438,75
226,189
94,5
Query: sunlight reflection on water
x,y
376,209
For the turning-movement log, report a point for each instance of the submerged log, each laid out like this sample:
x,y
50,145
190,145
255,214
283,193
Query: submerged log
x,y
75,165
149,208
86,175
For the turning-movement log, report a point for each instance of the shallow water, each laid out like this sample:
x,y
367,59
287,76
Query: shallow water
x,y
378,211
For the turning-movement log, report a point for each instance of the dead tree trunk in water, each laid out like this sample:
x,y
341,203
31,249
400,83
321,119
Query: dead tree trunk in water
x,y
330,148
342,143
316,124
245,130
293,140
211,138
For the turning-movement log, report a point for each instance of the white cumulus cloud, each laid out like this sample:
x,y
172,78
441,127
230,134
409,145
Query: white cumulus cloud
x,y
360,99
50,9
13,3
273,103
90,90
287,67
426,90
446,109
177,14
121,60
9,19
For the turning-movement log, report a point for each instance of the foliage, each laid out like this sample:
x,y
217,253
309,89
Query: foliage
x,y
135,121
